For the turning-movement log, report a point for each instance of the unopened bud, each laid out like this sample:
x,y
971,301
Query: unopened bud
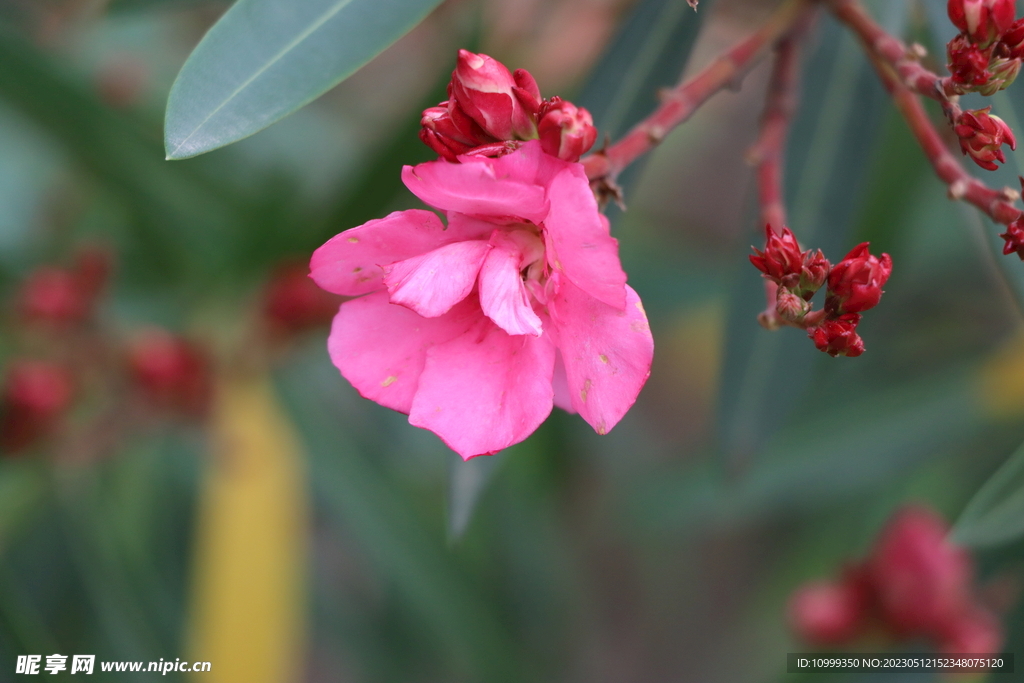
x,y
52,295
983,21
1012,41
170,372
1014,237
830,612
1004,72
974,631
781,261
838,337
449,131
565,130
922,580
35,396
968,64
485,89
791,307
815,272
292,303
855,283
982,136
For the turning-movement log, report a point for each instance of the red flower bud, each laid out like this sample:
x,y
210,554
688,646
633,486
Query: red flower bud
x,y
52,295
855,283
566,131
975,631
789,306
830,612
292,303
1012,42
449,131
485,89
982,20
921,579
838,337
1014,237
968,64
170,372
35,396
982,135
815,272
781,259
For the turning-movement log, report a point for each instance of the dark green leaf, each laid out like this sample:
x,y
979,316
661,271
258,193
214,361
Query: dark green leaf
x,y
264,59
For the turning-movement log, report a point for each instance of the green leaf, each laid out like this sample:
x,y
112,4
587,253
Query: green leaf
x,y
648,53
466,484
839,453
995,514
264,59
394,538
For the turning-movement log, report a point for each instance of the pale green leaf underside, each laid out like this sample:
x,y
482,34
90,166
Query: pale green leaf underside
x,y
996,513
264,59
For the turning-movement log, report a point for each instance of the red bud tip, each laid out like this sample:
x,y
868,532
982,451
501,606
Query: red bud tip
x,y
35,396
838,337
855,283
982,21
170,372
982,136
1014,237
292,303
565,130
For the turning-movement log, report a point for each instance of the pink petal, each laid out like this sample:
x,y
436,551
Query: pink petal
x,y
579,241
607,352
350,262
529,164
432,283
485,390
560,385
503,297
380,347
475,189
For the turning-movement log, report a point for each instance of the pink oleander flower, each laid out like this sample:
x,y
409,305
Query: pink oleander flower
x,y
476,330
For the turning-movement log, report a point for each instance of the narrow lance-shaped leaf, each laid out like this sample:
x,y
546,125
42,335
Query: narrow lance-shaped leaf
x,y
995,514
264,59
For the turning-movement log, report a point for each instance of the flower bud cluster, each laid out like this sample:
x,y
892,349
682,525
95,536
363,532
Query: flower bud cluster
x,y
914,584
854,286
490,111
986,56
66,355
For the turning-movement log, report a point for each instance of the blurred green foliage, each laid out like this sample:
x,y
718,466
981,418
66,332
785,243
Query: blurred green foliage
x,y
663,551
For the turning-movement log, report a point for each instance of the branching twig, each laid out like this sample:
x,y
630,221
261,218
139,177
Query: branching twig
x,y
679,103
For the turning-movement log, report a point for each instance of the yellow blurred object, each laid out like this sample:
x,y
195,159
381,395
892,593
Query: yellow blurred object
x,y
248,608
1002,380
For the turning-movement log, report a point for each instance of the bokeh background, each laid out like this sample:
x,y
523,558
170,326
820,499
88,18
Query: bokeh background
x,y
268,520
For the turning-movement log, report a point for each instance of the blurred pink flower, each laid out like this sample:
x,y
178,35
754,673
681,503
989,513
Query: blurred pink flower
x,y
477,329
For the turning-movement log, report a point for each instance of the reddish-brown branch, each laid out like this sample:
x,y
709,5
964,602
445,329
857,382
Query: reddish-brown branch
x,y
881,50
679,103
904,60
768,152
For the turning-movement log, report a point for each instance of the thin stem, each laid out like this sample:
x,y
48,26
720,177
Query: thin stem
x,y
904,60
768,152
679,103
